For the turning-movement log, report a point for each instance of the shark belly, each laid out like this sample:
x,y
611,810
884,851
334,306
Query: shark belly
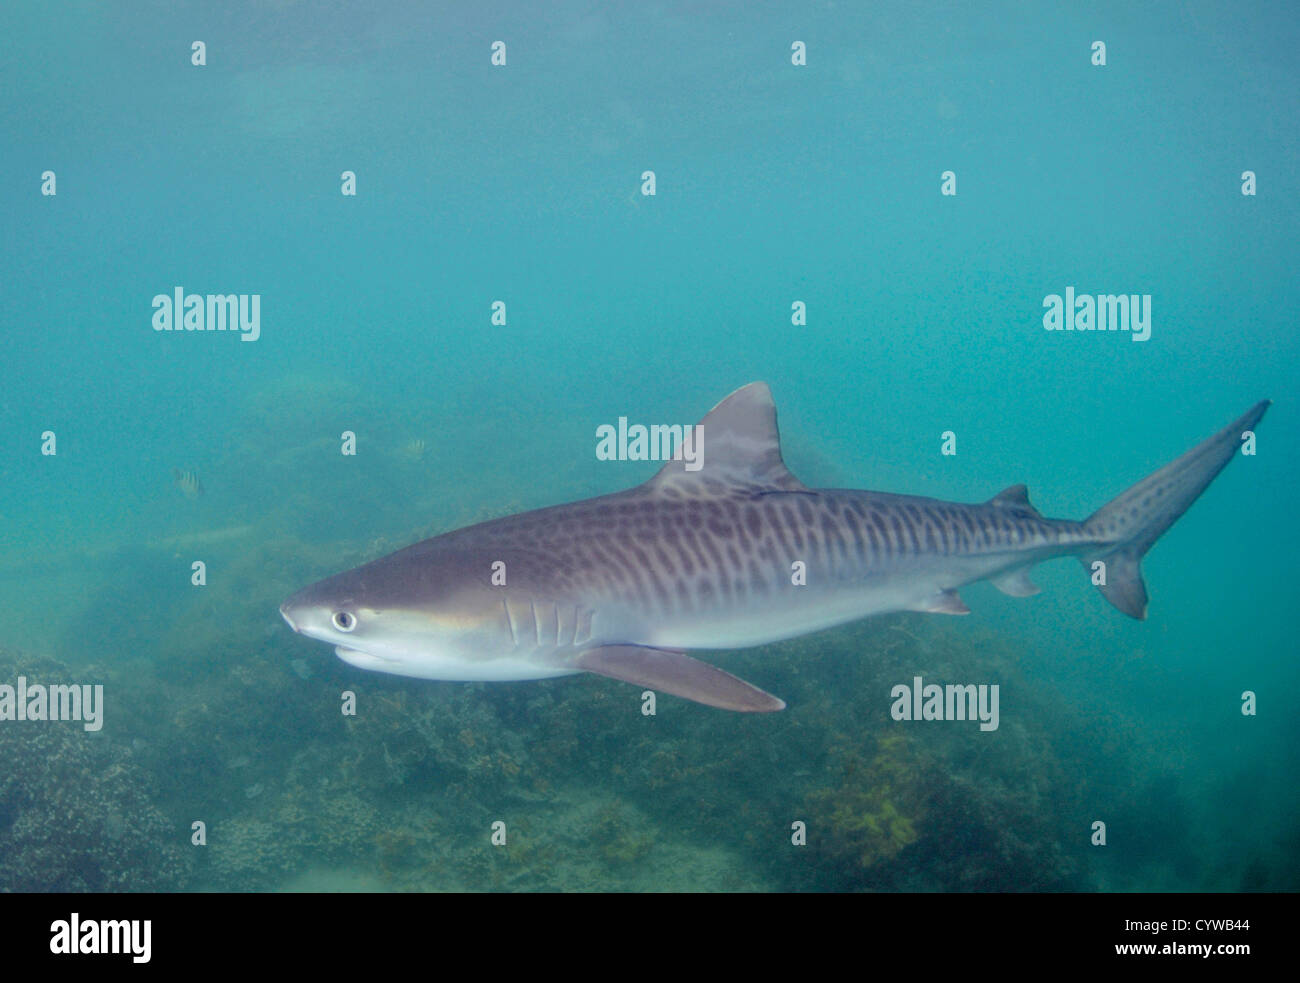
x,y
918,584
491,667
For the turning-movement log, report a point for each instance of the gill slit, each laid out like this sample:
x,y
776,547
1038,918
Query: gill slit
x,y
514,639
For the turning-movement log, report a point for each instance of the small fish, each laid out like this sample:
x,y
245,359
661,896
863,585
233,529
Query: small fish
x,y
412,450
301,667
188,482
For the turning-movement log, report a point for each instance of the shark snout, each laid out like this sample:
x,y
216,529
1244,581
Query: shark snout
x,y
286,612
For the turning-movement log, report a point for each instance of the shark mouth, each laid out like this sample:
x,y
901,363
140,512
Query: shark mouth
x,y
359,658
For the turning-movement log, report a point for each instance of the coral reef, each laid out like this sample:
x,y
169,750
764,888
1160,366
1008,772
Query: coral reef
x,y
75,810
873,810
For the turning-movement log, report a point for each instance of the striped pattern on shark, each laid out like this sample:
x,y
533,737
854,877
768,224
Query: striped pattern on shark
x,y
623,585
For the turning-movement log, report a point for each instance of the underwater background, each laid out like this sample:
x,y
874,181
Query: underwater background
x,y
775,183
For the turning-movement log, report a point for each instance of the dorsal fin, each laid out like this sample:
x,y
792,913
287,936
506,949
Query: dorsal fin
x,y
739,451
1016,497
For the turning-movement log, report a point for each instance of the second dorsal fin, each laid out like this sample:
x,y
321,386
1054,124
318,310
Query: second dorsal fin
x,y
1016,497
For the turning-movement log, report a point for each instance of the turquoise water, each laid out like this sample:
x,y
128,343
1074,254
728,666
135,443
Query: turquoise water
x,y
775,183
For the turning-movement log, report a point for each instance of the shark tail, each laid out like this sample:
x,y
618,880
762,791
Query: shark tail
x,y
1127,526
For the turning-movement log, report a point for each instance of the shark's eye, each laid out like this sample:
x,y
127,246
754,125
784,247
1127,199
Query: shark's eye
x,y
344,621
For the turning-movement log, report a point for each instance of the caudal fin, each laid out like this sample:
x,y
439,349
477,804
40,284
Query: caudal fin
x,y
1130,524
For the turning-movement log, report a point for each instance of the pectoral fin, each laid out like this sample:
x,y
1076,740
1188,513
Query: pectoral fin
x,y
679,674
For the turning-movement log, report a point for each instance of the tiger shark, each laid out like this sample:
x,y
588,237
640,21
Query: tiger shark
x,y
734,553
